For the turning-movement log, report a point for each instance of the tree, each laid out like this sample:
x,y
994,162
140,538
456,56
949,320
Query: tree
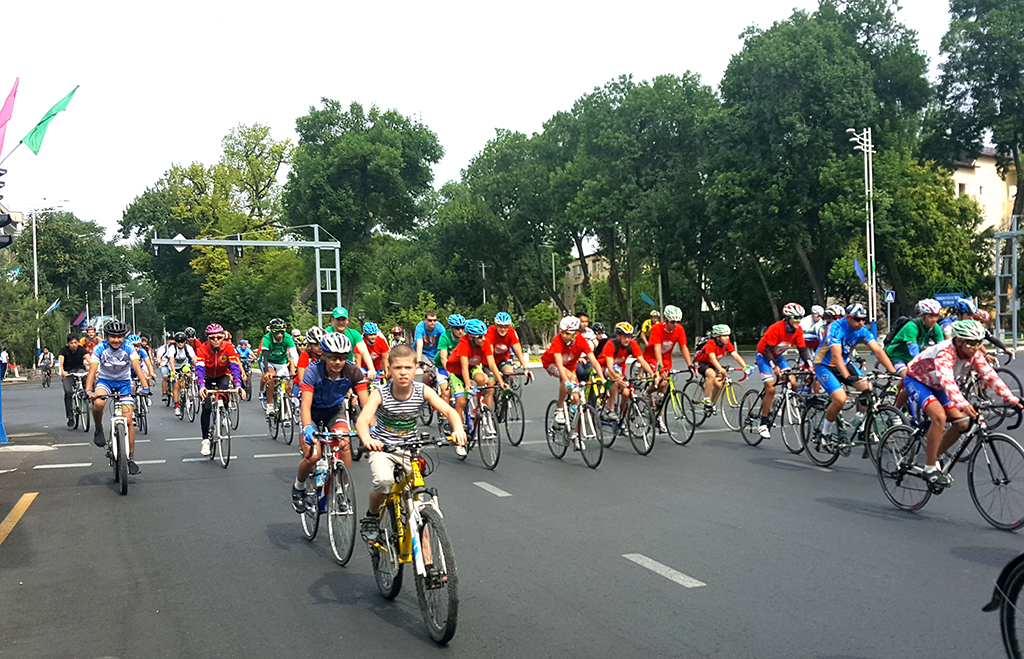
x,y
253,159
982,85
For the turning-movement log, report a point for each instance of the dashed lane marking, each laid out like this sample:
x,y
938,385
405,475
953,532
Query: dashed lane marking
x,y
75,444
793,463
276,455
496,491
204,458
27,434
12,518
197,439
16,448
66,465
150,462
7,471
673,575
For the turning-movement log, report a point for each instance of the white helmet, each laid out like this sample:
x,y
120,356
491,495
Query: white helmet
x,y
673,313
314,334
336,342
929,305
569,324
793,310
817,310
969,329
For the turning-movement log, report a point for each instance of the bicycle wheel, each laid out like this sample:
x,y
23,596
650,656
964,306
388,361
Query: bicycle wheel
x,y
354,442
121,437
426,413
143,416
311,517
234,411
820,450
86,411
694,391
247,386
513,419
750,416
883,418
488,439
591,446
193,405
679,412
790,418
387,570
729,403
995,418
1010,613
995,477
640,426
288,428
224,445
555,434
341,513
438,590
898,451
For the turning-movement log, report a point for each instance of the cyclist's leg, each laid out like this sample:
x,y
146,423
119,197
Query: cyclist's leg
x,y
101,388
764,367
936,405
442,381
339,423
711,385
127,410
482,377
834,388
68,385
311,447
459,392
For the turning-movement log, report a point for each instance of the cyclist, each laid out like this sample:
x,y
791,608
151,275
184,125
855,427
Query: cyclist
x,y
615,353
297,336
811,326
663,339
427,334
397,336
466,368
90,339
931,383
110,372
377,346
46,361
180,355
504,341
325,385
359,356
771,356
246,356
279,356
602,337
217,367
165,371
709,358
448,341
310,354
560,359
833,366
71,362
190,338
583,371
645,327
144,358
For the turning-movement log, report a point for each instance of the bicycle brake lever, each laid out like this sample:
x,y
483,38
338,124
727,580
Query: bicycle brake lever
x,y
1017,424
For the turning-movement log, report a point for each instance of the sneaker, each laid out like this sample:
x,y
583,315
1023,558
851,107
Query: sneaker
x,y
661,425
298,500
764,431
177,411
71,423
97,437
270,410
435,578
369,528
560,417
461,451
611,415
133,467
205,449
935,476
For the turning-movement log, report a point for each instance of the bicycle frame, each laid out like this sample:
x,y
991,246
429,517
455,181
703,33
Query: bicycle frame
x,y
404,498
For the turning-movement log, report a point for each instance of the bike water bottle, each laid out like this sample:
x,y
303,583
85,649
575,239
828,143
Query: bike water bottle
x,y
321,472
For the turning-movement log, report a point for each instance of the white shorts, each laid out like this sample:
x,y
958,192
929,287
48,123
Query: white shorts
x,y
280,370
382,467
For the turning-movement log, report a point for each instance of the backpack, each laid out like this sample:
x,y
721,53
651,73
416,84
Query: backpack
x,y
896,327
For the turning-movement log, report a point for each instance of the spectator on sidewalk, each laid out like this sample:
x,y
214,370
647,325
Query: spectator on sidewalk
x,y
3,364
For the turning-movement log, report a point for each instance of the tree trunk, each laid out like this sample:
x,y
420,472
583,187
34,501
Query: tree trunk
x,y
613,277
554,293
819,296
629,276
902,297
577,239
1018,203
764,283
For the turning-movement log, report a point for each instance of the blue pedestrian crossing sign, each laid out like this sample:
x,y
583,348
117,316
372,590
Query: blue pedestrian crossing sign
x,y
890,297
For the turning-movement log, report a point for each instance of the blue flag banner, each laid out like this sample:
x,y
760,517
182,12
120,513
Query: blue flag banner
x,y
647,298
78,321
53,307
859,270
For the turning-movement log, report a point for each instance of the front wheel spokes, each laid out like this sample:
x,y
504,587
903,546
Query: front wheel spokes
x,y
590,430
995,478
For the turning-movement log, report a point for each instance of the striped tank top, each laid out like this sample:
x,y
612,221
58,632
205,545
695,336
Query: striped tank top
x,y
396,419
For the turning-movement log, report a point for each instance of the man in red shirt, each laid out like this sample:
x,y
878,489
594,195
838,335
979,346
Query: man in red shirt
x,y
771,356
217,367
559,360
504,340
378,347
90,339
465,368
615,354
311,354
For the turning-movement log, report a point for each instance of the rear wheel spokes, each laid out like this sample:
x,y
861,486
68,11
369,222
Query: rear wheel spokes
x,y
995,478
898,451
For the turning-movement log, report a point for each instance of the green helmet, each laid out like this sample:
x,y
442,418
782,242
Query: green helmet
x,y
969,329
721,330
673,313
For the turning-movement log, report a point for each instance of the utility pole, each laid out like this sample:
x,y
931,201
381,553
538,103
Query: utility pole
x,y
862,142
483,274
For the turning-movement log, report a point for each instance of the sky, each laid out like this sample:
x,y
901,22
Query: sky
x,y
162,83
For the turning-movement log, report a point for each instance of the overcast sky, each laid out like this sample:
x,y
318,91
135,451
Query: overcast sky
x,y
162,83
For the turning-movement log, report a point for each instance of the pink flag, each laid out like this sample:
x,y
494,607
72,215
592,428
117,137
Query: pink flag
x,y
6,112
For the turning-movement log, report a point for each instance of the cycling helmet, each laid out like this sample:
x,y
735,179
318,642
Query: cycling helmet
x,y
655,313
133,339
928,305
857,311
624,328
214,328
966,305
722,330
115,328
569,324
296,332
982,316
793,310
336,342
673,313
245,342
227,335
969,329
340,312
370,329
502,319
396,330
476,327
456,320
598,327
190,332
835,310
817,310
179,336
314,334
276,325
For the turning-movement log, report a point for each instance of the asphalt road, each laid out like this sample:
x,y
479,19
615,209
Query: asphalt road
x,y
198,561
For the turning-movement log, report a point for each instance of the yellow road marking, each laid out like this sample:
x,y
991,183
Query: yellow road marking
x,y
12,518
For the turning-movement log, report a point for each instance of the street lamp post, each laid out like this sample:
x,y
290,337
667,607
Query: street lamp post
x,y
863,143
134,300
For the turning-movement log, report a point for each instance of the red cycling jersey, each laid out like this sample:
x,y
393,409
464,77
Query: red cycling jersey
x,y
668,341
476,355
712,347
620,352
571,352
377,349
780,337
502,345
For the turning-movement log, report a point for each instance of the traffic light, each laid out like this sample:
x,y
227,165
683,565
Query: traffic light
x,y
5,239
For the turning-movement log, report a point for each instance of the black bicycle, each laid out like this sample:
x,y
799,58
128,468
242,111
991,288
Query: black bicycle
x,y
1004,599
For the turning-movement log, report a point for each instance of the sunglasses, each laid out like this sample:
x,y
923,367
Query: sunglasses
x,y
216,338
973,344
334,357
859,320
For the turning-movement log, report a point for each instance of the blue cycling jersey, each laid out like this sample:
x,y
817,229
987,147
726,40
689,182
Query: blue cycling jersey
x,y
841,334
114,364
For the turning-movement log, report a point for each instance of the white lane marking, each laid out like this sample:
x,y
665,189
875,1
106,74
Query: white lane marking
x,y
16,448
142,441
75,444
277,455
28,434
150,462
183,439
64,466
496,491
7,471
793,463
664,570
233,457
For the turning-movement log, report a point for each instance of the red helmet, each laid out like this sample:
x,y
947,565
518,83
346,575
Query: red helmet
x,y
396,330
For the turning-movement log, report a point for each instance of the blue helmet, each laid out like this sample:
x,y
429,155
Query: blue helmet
x,y
134,338
456,320
966,305
502,319
857,311
370,329
476,327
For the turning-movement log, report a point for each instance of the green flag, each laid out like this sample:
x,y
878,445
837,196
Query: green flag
x,y
34,139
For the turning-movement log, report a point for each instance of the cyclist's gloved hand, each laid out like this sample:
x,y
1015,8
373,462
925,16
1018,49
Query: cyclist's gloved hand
x,y
307,433
145,390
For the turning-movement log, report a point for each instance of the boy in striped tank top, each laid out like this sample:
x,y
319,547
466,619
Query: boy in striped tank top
x,y
389,418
